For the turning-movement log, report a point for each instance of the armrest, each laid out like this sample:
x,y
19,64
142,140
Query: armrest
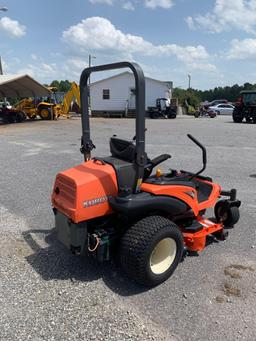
x,y
159,159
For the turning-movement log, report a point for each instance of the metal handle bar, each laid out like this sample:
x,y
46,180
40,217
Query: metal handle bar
x,y
192,138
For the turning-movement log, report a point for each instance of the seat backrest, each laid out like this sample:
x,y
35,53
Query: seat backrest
x,y
125,173
122,149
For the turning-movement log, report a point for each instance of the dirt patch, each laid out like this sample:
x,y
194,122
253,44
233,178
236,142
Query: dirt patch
x,y
21,248
239,283
240,267
13,246
232,273
230,290
220,299
233,270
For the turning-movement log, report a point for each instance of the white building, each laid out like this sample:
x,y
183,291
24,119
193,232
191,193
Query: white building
x,y
117,93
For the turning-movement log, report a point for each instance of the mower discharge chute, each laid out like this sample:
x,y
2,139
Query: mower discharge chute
x,y
113,204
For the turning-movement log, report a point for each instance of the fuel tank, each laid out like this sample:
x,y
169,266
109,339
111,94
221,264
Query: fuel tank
x,y
82,193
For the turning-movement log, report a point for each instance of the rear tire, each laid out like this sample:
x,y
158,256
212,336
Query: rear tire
x,y
45,114
11,118
154,115
20,117
237,118
151,250
173,116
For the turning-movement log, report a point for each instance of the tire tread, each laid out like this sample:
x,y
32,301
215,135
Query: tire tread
x,y
136,241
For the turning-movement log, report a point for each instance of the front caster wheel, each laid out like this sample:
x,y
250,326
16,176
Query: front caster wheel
x,y
229,216
221,235
151,250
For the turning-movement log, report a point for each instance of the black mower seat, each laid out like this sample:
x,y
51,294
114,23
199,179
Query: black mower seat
x,y
125,172
122,149
125,150
122,159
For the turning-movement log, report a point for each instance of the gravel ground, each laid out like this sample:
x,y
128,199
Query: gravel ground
x,y
48,294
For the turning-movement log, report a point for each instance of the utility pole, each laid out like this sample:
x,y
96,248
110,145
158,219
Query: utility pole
x,y
1,68
90,64
189,81
3,9
89,83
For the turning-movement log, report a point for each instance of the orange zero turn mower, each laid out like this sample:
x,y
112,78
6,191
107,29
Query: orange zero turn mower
x,y
115,204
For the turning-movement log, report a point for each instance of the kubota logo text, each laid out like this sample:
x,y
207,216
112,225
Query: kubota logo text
x,y
96,201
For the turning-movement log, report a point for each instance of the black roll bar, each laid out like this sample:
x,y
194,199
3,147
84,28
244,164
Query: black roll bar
x,y
87,144
192,138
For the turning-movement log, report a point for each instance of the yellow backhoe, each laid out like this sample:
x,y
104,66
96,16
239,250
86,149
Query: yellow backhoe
x,y
49,108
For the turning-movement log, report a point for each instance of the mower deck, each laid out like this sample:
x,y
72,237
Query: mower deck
x,y
195,234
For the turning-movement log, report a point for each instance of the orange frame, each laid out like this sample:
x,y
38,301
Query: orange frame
x,y
196,241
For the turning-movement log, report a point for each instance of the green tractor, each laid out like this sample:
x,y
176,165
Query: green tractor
x,y
245,107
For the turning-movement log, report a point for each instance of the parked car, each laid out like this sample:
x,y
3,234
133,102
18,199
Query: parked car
x,y
223,108
215,102
218,101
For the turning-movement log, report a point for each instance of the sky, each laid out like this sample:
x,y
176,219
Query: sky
x,y
214,41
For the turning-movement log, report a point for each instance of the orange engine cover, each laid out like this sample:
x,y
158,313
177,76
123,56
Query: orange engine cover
x,y
82,192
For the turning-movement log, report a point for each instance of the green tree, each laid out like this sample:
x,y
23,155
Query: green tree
x,y
193,96
64,85
187,97
55,84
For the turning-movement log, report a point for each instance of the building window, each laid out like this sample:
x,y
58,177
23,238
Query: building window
x,y
105,94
